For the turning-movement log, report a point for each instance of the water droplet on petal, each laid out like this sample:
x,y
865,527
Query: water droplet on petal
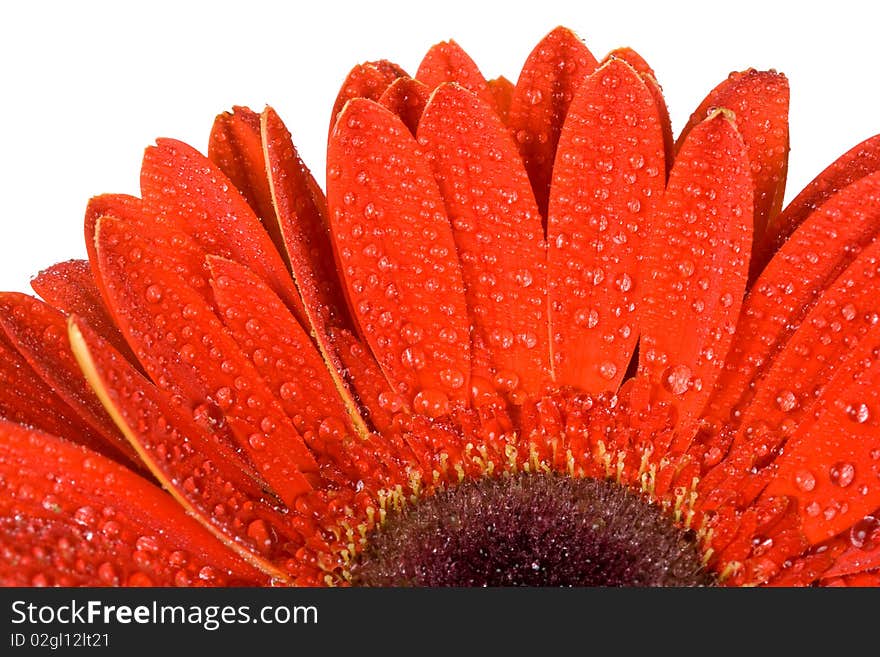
x,y
452,378
858,413
805,480
786,400
608,370
865,532
842,474
432,403
676,379
154,294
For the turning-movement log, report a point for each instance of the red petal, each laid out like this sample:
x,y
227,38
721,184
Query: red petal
x,y
407,98
280,350
447,62
185,349
300,210
648,76
856,163
502,92
498,234
397,252
696,265
790,286
760,101
70,517
551,75
380,402
842,316
862,551
184,458
70,286
187,191
236,148
608,179
39,332
25,398
368,80
831,465
120,206
861,580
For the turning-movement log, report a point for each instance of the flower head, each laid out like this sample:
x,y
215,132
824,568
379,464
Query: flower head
x,y
527,337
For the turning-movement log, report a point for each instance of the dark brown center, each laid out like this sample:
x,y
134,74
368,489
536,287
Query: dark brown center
x,y
531,530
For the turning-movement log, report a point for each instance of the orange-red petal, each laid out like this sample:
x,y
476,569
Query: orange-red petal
x,y
695,266
27,399
498,235
70,286
185,350
397,254
551,75
367,80
39,333
759,99
187,191
648,76
831,465
407,98
236,147
502,92
608,179
814,256
841,317
858,162
282,353
299,209
448,62
69,516
183,456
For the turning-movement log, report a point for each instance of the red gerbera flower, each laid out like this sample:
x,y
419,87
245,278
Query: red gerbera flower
x,y
526,338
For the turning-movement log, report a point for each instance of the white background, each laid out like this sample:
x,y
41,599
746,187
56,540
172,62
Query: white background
x,y
85,86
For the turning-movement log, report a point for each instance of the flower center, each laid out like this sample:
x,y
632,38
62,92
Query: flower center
x,y
531,530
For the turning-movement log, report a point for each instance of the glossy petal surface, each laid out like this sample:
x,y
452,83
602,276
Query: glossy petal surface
x,y
498,235
607,182
398,256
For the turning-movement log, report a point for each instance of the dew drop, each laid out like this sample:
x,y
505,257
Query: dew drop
x,y
432,403
413,358
586,317
452,379
154,294
390,402
411,333
502,338
686,268
858,413
786,400
524,277
506,380
107,573
676,379
862,534
805,480
332,428
608,370
842,474
624,282
259,532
